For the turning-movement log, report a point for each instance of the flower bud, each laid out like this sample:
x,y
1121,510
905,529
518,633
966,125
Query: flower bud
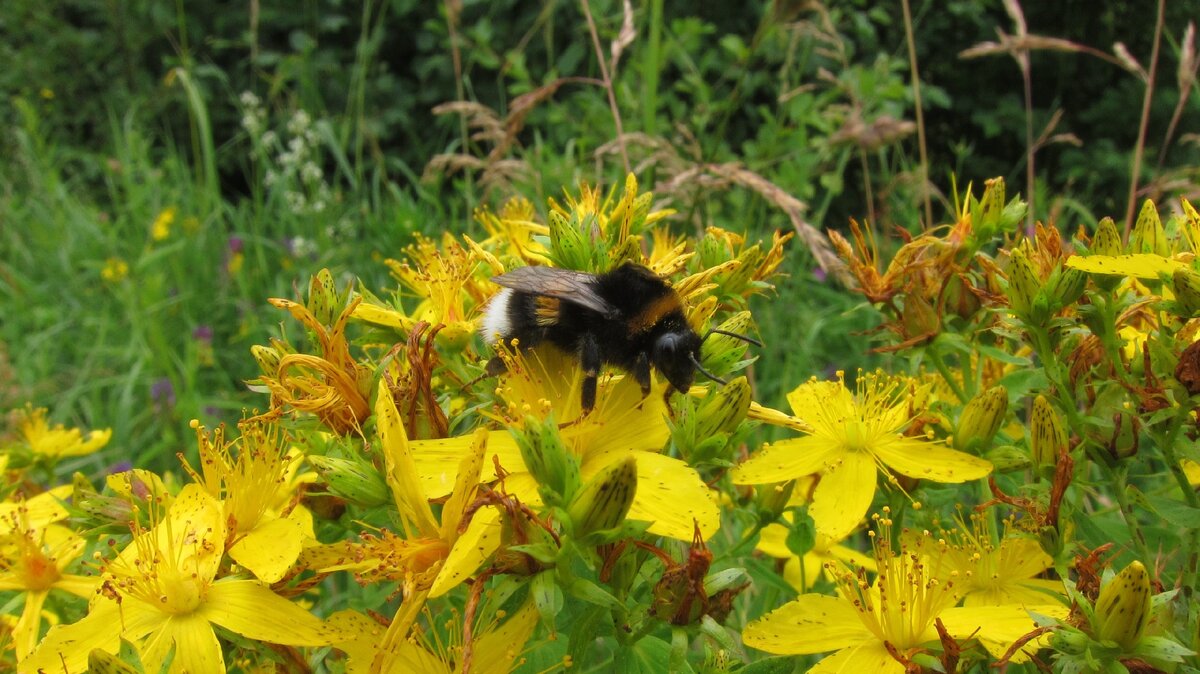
x,y
1107,240
724,408
604,501
569,245
721,353
919,318
958,297
1006,458
1191,223
267,359
323,300
1067,286
1186,285
1048,439
353,479
1023,283
993,199
1123,607
556,471
980,419
1148,235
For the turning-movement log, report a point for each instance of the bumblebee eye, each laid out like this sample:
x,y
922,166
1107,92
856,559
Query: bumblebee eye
x,y
666,345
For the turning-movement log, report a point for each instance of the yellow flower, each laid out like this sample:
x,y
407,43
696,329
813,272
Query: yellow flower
x,y
512,232
433,556
853,435
496,650
257,491
994,573
34,556
332,386
445,284
56,442
898,609
161,229
803,572
162,593
115,270
670,494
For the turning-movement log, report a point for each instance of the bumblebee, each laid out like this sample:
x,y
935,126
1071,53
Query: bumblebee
x,y
629,318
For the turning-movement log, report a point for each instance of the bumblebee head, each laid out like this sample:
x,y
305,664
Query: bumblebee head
x,y
676,355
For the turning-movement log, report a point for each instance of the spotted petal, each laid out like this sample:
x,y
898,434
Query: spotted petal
x,y
844,494
785,460
931,461
813,623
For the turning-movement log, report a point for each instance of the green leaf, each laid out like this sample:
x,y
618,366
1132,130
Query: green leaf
x,y
593,594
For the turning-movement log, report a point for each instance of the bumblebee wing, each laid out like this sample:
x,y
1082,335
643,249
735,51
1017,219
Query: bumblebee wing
x,y
562,284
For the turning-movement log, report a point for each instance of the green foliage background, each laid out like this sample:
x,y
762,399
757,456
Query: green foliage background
x,y
115,111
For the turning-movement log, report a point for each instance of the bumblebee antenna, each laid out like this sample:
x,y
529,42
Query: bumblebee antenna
x,y
705,372
745,338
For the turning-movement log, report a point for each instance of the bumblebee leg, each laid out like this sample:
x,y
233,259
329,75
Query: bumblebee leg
x,y
641,372
494,367
589,358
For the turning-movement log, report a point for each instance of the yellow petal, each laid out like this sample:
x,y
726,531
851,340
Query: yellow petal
x,y
813,623
1192,470
671,495
43,509
470,551
930,461
437,461
402,475
368,638
252,610
785,460
373,313
465,486
65,648
25,633
844,495
776,418
271,548
773,541
80,586
1139,265
195,643
497,651
870,656
801,574
998,627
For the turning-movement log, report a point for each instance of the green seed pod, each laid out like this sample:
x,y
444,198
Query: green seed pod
x,y
1046,434
919,317
542,449
323,297
1123,607
569,245
721,353
1023,283
1068,286
1186,284
1148,235
992,204
267,358
1107,240
604,501
980,419
355,480
724,408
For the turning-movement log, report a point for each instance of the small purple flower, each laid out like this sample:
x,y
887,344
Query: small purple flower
x,y
236,245
203,333
162,392
819,274
119,467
